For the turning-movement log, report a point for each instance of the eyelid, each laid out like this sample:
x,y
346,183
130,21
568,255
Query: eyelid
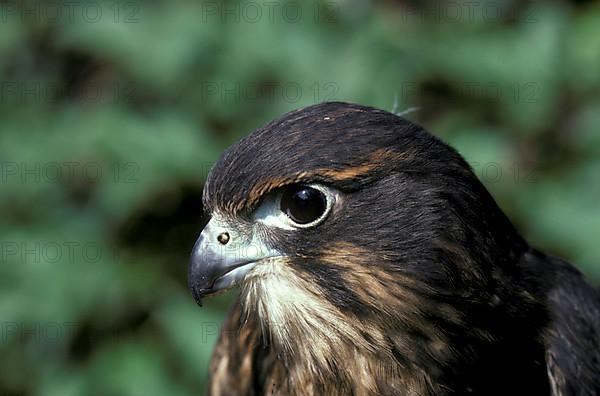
x,y
269,211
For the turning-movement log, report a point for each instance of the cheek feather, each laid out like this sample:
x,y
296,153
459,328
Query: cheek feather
x,y
304,326
296,316
288,303
391,301
363,274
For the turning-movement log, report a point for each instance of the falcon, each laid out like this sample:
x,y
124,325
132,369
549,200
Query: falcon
x,y
371,261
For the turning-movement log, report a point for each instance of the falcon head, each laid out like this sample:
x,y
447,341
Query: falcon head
x,y
345,224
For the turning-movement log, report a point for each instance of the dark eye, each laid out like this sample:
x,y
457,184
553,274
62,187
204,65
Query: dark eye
x,y
303,204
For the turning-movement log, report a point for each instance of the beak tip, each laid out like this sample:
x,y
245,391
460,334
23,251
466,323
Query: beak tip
x,y
195,289
197,294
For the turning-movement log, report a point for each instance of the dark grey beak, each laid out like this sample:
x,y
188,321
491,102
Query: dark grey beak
x,y
221,258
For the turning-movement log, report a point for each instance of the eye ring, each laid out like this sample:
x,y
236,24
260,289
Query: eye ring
x,y
305,206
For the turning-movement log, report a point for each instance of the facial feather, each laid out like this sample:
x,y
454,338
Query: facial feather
x,y
301,322
295,312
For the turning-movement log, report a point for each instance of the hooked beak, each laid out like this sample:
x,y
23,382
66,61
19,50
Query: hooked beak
x,y
221,258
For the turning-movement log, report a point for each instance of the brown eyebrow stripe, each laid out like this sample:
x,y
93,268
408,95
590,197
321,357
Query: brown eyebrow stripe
x,y
375,160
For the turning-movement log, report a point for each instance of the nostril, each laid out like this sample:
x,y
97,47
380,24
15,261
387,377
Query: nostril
x,y
223,238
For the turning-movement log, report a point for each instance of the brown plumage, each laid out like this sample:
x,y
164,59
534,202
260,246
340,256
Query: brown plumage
x,y
371,261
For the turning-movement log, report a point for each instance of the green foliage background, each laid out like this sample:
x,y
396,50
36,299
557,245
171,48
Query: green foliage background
x,y
93,297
